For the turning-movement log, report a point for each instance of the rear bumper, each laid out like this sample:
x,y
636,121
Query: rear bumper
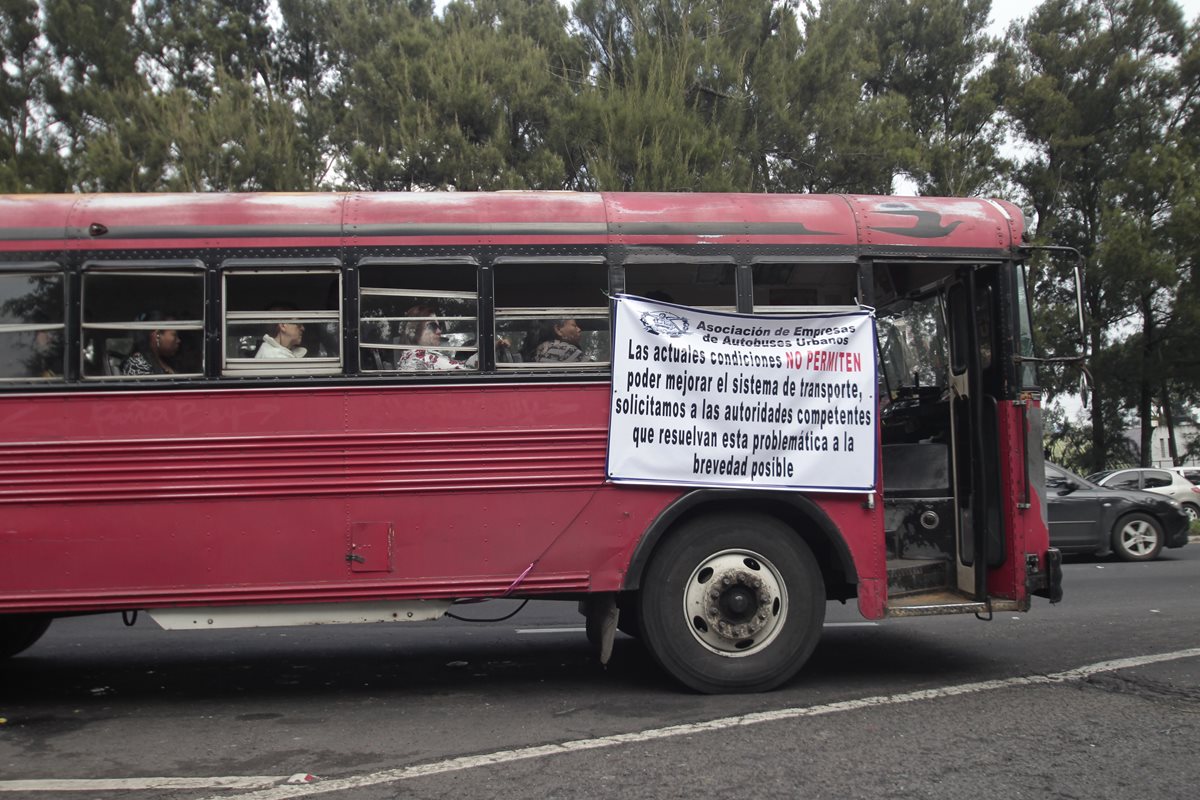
x,y
1045,582
1175,530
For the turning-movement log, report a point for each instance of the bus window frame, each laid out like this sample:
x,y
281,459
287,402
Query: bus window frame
x,y
1027,368
659,259
854,263
305,367
32,268
164,267
604,312
415,261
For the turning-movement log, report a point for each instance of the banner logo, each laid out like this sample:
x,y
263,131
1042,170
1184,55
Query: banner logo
x,y
664,323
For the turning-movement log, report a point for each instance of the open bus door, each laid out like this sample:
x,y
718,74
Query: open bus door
x,y
950,427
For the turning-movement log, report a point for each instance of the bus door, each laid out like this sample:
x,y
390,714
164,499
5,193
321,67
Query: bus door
x,y
940,447
976,387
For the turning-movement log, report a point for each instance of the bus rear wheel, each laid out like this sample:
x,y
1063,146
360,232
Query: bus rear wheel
x,y
732,603
19,632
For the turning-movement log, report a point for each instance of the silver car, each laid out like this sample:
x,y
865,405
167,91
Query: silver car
x,y
1191,473
1170,482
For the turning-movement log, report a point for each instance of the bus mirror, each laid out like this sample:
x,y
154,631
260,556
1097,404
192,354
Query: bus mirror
x,y
1066,328
1085,385
1079,304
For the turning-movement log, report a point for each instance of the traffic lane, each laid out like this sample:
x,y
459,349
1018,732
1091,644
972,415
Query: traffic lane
x,y
788,762
388,728
334,700
1121,734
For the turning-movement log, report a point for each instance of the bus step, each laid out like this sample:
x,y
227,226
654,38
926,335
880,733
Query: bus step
x,y
891,540
912,576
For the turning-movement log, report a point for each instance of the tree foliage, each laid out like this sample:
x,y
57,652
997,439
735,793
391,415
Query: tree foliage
x,y
1098,90
1085,112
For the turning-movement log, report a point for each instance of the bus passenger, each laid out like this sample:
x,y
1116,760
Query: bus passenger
x,y
285,343
47,355
558,340
426,334
153,350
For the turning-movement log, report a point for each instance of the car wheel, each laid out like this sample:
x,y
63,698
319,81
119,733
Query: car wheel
x,y
1137,537
1192,511
732,603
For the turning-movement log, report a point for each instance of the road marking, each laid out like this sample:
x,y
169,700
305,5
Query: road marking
x,y
276,792
579,745
135,784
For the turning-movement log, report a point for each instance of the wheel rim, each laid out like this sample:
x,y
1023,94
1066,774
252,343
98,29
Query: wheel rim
x,y
1138,537
735,603
1192,513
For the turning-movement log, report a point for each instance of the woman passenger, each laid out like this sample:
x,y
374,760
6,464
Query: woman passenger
x,y
154,349
558,341
426,334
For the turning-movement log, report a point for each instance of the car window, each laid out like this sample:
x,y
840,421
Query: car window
x,y
1192,475
1123,480
1097,477
1156,479
1055,478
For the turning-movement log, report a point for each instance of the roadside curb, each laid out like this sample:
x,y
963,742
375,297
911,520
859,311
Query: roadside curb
x,y
1193,539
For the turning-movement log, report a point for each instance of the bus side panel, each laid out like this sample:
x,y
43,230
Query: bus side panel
x,y
133,499
223,496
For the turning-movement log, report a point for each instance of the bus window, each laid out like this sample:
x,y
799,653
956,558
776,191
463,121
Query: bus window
x,y
912,342
31,325
707,285
553,315
282,322
790,287
416,317
143,322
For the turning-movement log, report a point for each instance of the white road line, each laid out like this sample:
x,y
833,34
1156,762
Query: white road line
x,y
578,745
851,624
134,784
277,792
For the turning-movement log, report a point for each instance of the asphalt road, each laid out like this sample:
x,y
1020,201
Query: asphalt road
x,y
1021,706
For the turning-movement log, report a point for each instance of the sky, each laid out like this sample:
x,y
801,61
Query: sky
x,y
1005,11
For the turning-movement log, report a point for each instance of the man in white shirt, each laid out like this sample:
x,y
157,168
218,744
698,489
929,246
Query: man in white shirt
x,y
285,343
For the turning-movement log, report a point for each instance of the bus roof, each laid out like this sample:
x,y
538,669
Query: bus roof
x,y
872,223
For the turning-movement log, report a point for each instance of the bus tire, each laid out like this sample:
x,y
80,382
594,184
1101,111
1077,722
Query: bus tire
x,y
19,632
732,603
628,622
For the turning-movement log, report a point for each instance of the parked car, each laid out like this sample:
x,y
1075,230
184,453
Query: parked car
x,y
1191,473
1160,481
1089,518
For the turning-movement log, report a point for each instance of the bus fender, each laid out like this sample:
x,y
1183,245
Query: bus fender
x,y
738,500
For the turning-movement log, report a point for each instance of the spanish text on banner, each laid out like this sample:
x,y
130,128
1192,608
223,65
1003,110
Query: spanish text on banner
x,y
704,398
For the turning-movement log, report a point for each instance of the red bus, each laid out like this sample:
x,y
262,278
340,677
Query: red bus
x,y
279,409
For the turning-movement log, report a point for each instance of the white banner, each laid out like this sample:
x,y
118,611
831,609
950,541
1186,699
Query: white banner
x,y
705,398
